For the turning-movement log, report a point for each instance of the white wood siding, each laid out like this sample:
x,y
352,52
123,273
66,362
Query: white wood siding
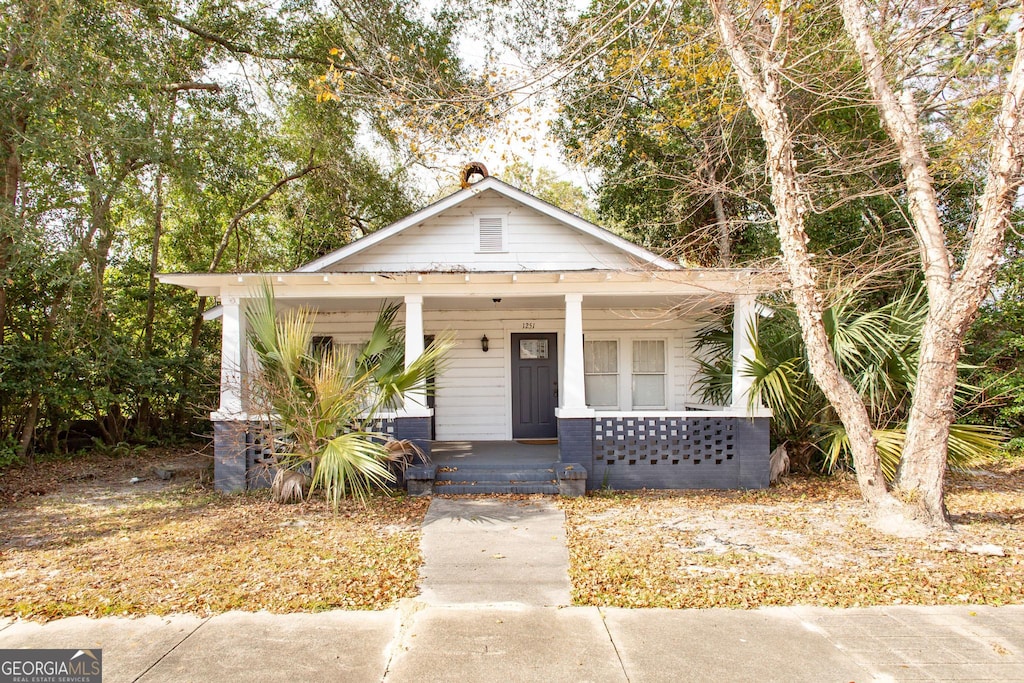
x,y
473,401
450,242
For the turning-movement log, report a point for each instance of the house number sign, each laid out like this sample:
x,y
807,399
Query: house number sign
x,y
529,326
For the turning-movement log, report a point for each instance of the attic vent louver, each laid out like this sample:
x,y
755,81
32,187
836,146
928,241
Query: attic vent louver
x,y
492,233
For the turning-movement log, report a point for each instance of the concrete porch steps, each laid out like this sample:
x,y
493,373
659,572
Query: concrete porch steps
x,y
459,479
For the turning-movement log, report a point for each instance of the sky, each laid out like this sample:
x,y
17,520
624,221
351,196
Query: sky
x,y
526,133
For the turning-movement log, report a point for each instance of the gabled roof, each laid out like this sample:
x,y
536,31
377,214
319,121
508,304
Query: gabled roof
x,y
489,183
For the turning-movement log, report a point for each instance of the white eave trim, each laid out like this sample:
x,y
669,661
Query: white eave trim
x,y
683,282
490,183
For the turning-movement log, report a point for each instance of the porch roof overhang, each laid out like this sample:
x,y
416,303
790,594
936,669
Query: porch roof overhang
x,y
713,282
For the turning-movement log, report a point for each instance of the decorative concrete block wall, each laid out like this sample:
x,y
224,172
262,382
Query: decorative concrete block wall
x,y
243,456
679,453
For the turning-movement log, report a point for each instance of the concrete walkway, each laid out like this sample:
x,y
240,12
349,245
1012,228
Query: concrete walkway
x,y
494,585
494,551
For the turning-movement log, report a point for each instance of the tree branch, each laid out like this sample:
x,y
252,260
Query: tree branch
x,y
237,218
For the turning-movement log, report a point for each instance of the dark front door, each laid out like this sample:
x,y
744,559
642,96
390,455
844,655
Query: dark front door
x,y
534,386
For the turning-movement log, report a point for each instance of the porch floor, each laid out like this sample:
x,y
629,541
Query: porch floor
x,y
496,454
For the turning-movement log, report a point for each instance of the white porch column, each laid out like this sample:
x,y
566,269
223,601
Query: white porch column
x,y
415,401
744,319
232,358
574,397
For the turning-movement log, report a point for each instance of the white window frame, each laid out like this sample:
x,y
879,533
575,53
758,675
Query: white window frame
x,y
664,374
617,374
625,375
503,221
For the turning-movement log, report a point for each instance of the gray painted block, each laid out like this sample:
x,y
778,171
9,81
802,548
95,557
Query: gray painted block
x,y
415,429
229,456
680,453
572,480
419,480
576,444
753,444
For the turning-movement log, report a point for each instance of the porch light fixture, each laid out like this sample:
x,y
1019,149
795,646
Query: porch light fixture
x,y
484,343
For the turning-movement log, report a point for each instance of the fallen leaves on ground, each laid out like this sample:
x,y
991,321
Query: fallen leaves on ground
x,y
101,546
806,542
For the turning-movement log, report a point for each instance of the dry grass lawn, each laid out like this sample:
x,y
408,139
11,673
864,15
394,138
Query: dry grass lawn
x,y
78,538
804,542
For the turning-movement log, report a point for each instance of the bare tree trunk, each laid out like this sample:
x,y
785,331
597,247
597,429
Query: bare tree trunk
x,y
154,260
761,85
722,223
145,406
952,302
11,173
28,429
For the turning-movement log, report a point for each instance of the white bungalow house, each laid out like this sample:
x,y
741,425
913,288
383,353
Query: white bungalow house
x,y
565,331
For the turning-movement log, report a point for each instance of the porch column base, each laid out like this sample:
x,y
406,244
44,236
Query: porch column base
x,y
229,455
415,429
576,446
753,446
572,480
419,480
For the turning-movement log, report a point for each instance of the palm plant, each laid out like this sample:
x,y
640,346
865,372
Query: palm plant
x,y
876,348
322,404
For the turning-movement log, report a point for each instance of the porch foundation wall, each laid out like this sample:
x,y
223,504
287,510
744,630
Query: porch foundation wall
x,y
243,458
576,441
415,429
229,456
679,453
754,444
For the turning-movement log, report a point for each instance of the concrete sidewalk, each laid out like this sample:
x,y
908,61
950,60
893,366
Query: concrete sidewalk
x,y
418,642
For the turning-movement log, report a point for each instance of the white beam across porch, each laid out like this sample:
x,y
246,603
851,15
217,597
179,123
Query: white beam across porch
x,y
478,283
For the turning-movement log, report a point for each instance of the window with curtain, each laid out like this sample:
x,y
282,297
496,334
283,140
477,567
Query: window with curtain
x,y
601,373
649,373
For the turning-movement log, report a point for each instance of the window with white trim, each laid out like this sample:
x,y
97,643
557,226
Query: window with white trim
x,y
648,373
628,372
601,372
492,234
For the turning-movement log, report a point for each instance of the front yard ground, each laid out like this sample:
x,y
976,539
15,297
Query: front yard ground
x,y
805,542
79,538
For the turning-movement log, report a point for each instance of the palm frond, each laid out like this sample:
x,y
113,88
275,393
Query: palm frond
x,y
418,377
968,445
351,464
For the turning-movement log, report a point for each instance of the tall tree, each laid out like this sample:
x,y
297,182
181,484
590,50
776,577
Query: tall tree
x,y
141,136
957,280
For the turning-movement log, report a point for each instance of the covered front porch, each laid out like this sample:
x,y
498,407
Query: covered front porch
x,y
600,364
494,453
